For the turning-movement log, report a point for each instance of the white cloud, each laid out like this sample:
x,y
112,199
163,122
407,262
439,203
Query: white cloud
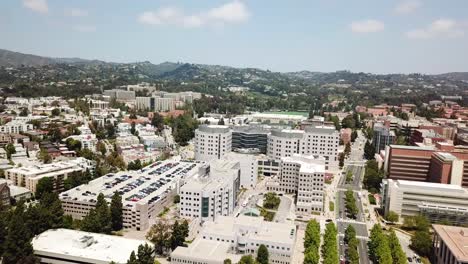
x,y
408,6
39,6
76,12
440,28
367,26
85,28
230,13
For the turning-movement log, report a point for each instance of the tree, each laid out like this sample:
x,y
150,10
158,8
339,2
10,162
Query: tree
x,y
134,165
398,255
10,149
101,147
392,217
98,220
160,234
311,256
132,259
157,121
116,212
17,247
227,261
329,246
178,235
55,112
341,158
262,254
221,121
73,144
271,201
44,185
145,254
132,129
348,122
44,156
103,215
177,199
379,248
24,112
185,228
369,150
312,234
350,233
248,259
421,242
354,135
347,149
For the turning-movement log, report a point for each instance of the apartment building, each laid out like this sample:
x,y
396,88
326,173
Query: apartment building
x,y
438,202
449,244
16,126
311,141
211,193
126,141
29,176
155,104
232,237
212,142
120,95
144,193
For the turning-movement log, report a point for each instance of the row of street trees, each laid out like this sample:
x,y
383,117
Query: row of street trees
x,y
330,245
385,248
373,176
351,240
351,206
312,242
104,219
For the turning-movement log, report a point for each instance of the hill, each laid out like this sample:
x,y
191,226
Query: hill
x,y
458,76
15,59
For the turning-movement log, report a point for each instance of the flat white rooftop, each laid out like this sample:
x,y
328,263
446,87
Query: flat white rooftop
x,y
251,227
417,184
309,164
207,250
84,246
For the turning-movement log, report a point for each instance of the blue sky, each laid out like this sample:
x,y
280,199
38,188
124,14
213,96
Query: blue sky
x,y
379,36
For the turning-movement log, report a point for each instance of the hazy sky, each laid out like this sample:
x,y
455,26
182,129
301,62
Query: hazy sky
x,y
379,36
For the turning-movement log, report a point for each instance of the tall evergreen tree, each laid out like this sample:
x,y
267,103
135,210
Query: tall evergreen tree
x,y
116,212
103,215
262,255
44,185
145,254
18,248
132,259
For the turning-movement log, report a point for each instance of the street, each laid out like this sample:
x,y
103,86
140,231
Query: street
x,y
354,164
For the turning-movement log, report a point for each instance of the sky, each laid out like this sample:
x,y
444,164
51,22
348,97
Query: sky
x,y
377,36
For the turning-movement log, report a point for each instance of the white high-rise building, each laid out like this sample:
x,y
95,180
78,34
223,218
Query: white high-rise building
x,y
156,104
248,167
304,175
211,193
321,141
212,142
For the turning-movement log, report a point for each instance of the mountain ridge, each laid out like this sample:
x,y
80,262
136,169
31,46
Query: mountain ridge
x,y
16,59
